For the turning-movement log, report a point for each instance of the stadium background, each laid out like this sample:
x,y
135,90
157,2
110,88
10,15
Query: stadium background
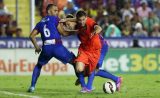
x,y
131,51
128,53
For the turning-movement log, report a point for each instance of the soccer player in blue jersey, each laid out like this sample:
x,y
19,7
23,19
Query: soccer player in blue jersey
x,y
52,44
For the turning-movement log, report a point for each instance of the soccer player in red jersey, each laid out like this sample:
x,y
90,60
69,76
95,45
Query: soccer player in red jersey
x,y
91,52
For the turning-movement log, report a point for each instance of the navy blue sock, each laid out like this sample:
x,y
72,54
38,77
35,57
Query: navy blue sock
x,y
35,75
81,79
105,74
90,80
74,66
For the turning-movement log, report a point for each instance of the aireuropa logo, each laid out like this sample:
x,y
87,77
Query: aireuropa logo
x,y
26,66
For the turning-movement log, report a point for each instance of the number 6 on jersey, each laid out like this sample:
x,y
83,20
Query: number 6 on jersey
x,y
46,31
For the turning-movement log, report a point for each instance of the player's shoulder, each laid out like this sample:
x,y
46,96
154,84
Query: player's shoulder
x,y
53,17
39,24
90,21
49,18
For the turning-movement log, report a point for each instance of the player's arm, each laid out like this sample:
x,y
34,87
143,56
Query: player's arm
x,y
97,30
68,19
32,37
68,31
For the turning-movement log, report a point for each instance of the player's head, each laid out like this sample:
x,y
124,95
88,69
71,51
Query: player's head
x,y
81,17
69,16
70,23
52,10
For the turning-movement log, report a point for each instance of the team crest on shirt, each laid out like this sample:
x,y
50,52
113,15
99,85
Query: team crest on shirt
x,y
44,19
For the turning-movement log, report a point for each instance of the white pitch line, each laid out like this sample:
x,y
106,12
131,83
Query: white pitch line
x,y
23,95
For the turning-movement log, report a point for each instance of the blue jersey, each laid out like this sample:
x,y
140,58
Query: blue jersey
x,y
51,46
49,32
48,28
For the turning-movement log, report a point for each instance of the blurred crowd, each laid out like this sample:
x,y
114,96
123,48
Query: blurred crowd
x,y
118,18
122,18
8,26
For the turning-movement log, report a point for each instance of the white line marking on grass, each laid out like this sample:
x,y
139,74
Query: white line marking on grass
x,y
23,95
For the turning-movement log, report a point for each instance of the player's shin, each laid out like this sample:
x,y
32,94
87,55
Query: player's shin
x,y
105,74
35,75
90,80
81,79
74,66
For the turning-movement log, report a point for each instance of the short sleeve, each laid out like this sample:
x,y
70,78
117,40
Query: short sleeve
x,y
37,27
91,22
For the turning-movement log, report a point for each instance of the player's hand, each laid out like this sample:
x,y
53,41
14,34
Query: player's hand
x,y
37,50
92,34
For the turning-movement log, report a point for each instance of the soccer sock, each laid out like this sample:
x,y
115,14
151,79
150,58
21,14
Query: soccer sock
x,y
35,75
106,74
90,80
81,79
73,63
74,66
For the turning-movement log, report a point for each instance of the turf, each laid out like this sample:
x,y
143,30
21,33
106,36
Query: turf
x,y
134,86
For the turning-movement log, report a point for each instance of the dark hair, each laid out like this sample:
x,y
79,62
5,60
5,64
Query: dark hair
x,y
49,6
69,16
80,13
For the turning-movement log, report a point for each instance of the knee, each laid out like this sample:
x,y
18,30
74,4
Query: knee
x,y
79,67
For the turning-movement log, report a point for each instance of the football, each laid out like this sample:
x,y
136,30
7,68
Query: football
x,y
109,87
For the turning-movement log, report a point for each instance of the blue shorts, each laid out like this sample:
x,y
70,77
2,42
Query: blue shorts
x,y
55,50
104,51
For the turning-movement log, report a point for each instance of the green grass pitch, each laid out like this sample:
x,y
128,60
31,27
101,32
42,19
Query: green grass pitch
x,y
134,86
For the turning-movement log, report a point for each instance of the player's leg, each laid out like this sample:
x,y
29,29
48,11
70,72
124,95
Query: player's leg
x,y
103,53
81,63
80,70
82,67
35,75
42,60
90,81
65,56
104,73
